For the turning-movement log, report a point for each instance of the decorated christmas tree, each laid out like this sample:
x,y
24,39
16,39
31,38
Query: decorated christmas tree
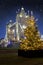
x,y
31,39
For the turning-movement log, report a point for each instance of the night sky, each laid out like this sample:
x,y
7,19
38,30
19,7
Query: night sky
x,y
8,10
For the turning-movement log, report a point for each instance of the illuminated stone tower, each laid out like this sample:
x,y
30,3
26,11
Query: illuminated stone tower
x,y
14,31
22,17
21,24
10,31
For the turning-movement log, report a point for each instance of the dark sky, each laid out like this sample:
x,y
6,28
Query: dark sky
x,y
8,10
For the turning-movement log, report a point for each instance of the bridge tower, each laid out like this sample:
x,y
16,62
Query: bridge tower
x,y
9,31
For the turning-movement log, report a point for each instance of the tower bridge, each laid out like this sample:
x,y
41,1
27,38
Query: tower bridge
x,y
14,31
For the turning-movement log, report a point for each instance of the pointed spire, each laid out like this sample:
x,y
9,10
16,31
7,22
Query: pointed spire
x,y
22,8
36,19
32,17
31,13
18,10
22,12
28,12
10,21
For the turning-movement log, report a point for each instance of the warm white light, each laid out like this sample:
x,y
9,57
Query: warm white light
x,y
23,26
18,38
26,16
24,37
38,32
22,8
13,30
20,15
8,30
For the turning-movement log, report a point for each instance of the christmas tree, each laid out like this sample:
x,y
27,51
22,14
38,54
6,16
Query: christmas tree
x,y
31,39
